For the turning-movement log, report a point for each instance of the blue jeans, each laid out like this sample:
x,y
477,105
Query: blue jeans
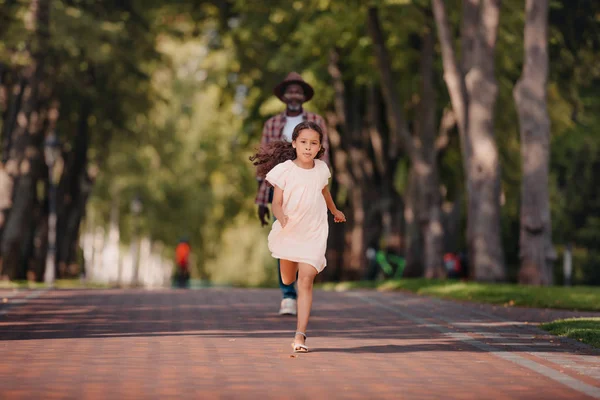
x,y
288,291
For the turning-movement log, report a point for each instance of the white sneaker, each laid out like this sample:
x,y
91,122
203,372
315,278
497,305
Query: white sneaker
x,y
288,307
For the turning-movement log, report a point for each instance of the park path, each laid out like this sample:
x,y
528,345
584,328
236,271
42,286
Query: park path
x,y
230,344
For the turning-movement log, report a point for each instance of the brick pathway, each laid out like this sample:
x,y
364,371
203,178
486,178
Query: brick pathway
x,y
228,343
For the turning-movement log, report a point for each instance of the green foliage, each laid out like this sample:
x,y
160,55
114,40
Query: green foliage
x,y
249,47
574,165
187,167
179,92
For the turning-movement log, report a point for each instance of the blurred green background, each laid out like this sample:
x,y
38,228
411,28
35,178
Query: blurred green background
x,y
164,102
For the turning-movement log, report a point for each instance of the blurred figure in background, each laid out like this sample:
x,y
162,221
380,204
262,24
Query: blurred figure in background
x,y
182,256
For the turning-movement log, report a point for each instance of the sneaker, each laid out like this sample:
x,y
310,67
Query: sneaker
x,y
288,307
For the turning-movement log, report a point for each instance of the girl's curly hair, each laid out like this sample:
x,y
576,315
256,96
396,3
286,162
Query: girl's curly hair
x,y
273,153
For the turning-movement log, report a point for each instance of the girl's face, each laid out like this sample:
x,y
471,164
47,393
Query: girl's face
x,y
307,145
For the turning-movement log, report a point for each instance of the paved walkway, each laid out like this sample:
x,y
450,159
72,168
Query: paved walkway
x,y
229,343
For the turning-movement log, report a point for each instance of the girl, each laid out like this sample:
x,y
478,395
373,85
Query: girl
x,y
301,198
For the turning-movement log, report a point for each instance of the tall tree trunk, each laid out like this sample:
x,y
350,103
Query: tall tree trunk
x,y
426,169
25,157
451,210
536,249
73,192
40,244
43,224
13,93
484,239
4,95
414,241
473,95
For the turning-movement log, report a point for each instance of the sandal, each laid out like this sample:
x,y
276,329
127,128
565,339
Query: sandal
x,y
299,348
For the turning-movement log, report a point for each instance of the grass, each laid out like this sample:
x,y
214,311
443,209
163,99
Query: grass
x,y
580,298
58,284
585,330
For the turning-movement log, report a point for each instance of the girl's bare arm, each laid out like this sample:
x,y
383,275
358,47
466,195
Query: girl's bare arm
x,y
338,216
329,200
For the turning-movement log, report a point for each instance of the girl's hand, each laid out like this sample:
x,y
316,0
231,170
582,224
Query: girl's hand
x,y
283,221
339,216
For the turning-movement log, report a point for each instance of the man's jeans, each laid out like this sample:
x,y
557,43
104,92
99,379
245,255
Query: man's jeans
x,y
288,291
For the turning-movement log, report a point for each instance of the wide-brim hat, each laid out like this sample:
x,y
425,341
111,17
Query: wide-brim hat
x,y
293,77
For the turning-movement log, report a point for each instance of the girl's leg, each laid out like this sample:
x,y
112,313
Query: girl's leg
x,y
288,270
306,277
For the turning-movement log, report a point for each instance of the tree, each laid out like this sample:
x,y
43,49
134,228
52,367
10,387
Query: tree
x,y
25,164
473,90
536,249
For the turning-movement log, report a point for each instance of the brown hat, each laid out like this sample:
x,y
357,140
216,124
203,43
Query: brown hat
x,y
293,77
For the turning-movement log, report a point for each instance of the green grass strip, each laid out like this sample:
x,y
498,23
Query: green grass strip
x,y
585,330
580,298
58,284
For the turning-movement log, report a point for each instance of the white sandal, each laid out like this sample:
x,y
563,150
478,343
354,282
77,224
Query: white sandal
x,y
299,348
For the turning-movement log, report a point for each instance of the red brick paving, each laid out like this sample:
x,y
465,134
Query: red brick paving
x,y
229,343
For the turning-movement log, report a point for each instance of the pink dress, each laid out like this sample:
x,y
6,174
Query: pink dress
x,y
304,238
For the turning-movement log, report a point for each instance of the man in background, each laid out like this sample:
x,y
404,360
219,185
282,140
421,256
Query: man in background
x,y
293,91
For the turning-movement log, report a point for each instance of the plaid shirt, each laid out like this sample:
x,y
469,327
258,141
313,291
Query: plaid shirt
x,y
273,130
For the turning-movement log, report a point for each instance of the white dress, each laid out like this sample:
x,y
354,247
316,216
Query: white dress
x,y
304,238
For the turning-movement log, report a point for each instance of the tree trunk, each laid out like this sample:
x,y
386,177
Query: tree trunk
x,y
414,241
8,170
73,191
484,240
40,245
353,256
13,105
4,95
536,249
111,264
426,169
25,157
473,95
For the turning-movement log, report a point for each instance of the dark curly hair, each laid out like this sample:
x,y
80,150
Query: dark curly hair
x,y
273,153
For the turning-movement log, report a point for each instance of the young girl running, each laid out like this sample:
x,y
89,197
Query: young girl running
x,y
301,198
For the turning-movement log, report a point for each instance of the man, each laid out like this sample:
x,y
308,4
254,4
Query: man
x,y
293,91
